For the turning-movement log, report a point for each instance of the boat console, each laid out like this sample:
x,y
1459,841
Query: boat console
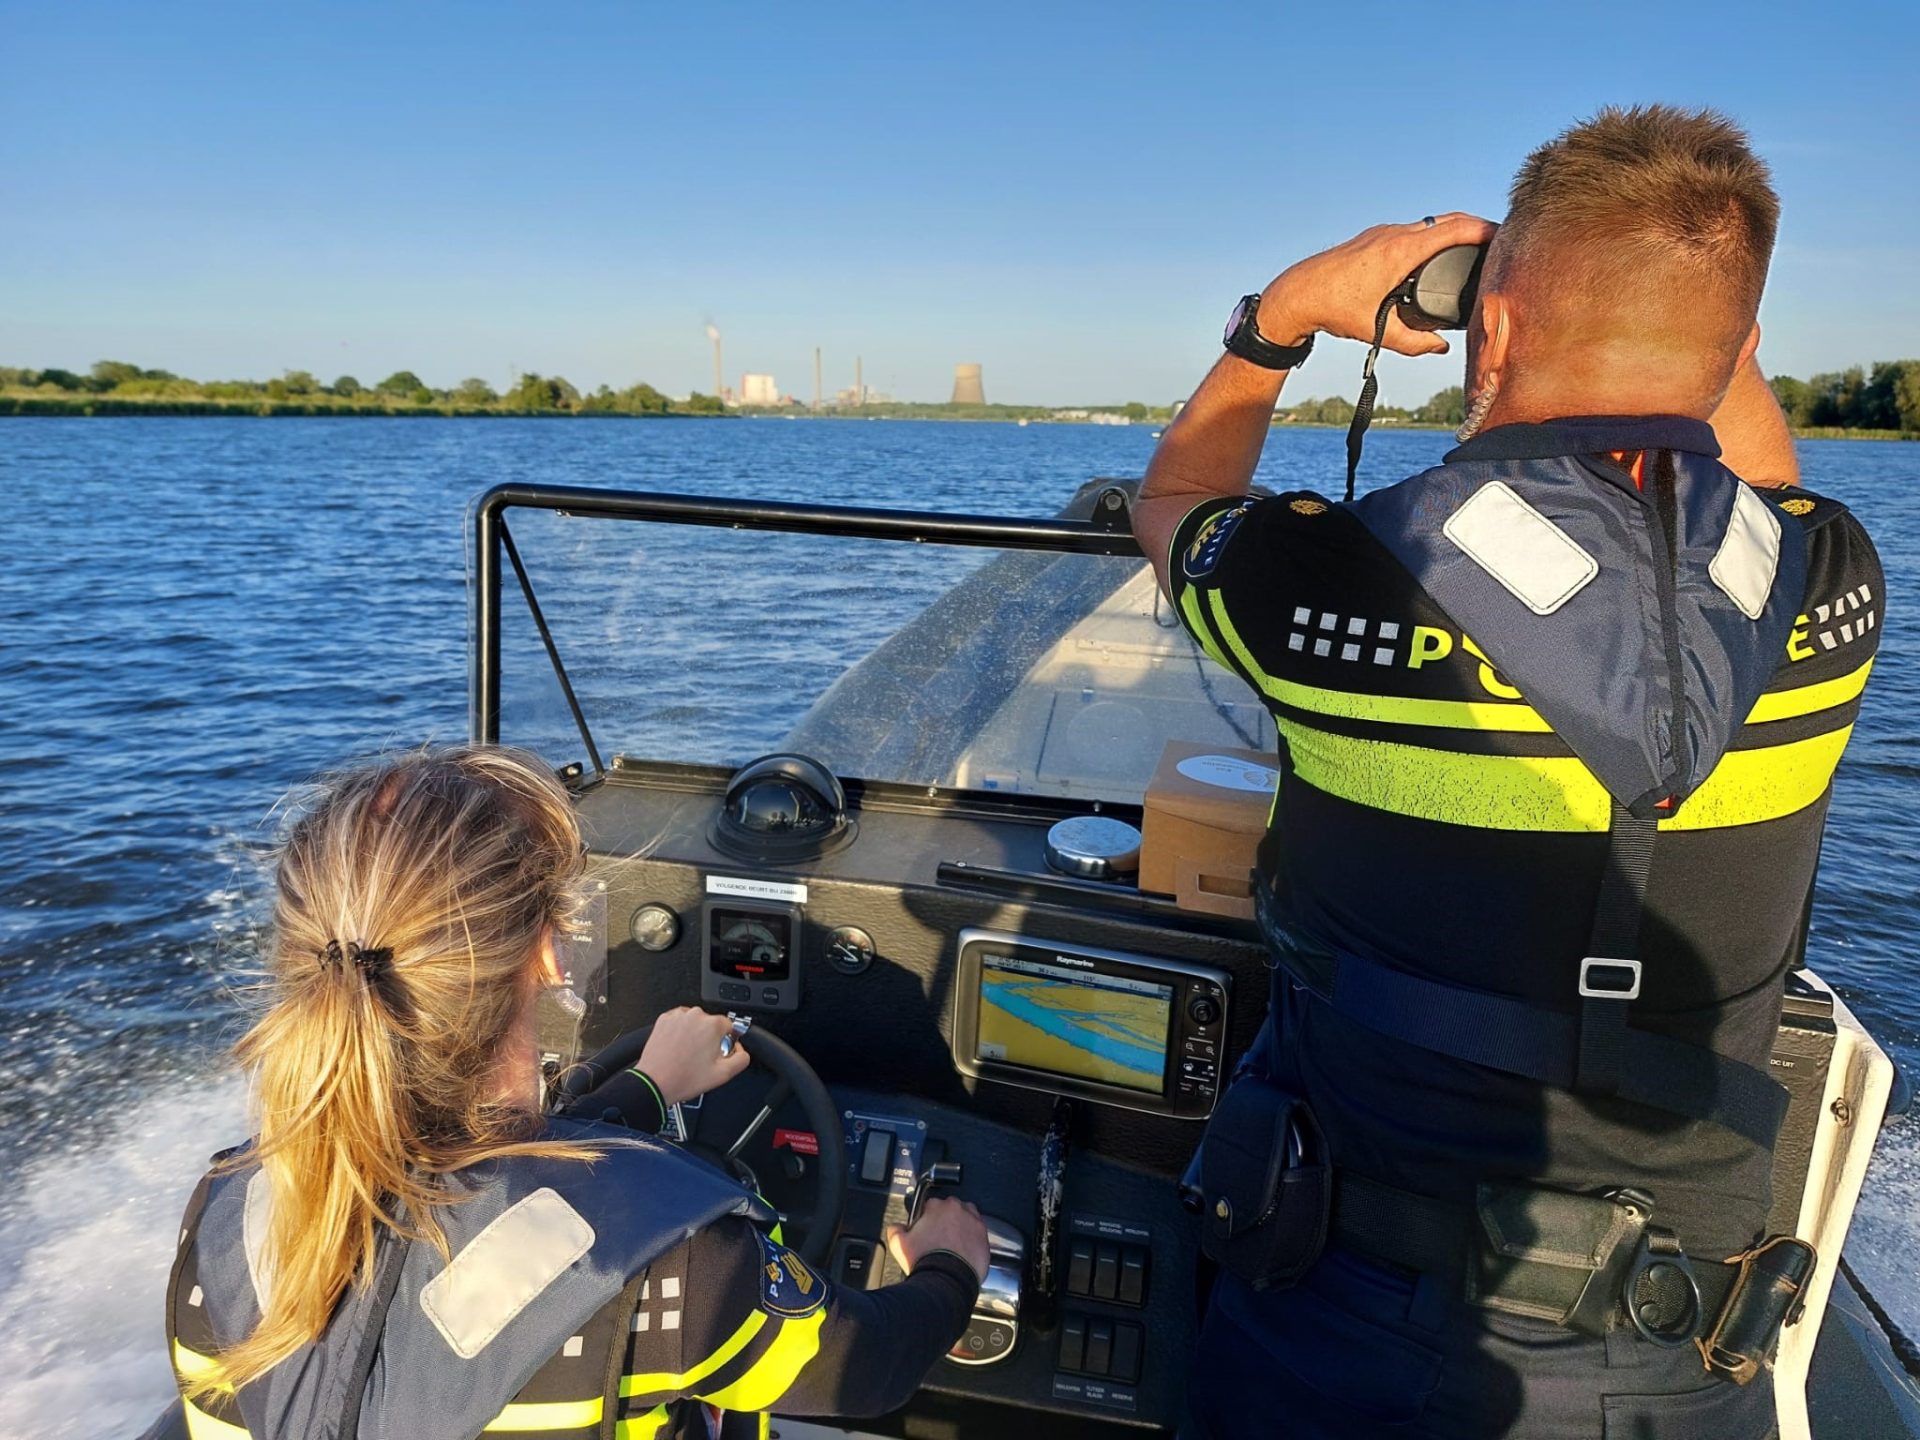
x,y
1049,1045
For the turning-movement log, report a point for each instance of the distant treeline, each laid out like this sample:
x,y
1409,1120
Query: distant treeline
x,y
1887,397
116,387
1447,408
1883,399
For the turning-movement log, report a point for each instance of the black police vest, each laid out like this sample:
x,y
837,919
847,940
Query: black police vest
x,y
1641,619
539,1249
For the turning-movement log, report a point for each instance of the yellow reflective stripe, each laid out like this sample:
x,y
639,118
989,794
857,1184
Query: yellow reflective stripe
x,y
769,1376
631,1385
1384,709
549,1415
1190,608
641,1427
1489,792
202,1426
191,1363
1551,794
1785,704
1749,786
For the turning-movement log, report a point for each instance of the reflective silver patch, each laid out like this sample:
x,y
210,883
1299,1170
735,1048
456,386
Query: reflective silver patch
x,y
1537,562
1749,553
254,1221
503,1270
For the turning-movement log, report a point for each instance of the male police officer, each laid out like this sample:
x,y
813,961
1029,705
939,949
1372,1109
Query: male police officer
x,y
1558,721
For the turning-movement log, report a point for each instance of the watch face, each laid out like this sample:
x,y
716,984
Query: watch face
x,y
1238,318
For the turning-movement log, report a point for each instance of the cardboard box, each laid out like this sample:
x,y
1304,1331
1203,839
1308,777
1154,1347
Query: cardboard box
x,y
1206,809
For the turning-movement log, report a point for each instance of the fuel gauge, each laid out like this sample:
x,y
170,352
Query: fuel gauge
x,y
850,949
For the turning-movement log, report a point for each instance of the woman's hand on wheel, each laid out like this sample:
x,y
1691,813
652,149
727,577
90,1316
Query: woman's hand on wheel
x,y
951,1225
683,1058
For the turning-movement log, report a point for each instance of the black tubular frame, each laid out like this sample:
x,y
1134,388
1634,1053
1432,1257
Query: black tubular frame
x,y
1107,535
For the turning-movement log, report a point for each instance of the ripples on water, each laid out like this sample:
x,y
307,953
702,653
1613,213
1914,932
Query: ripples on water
x,y
197,614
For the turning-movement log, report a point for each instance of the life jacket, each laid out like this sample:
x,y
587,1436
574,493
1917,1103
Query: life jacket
x,y
1572,650
433,1349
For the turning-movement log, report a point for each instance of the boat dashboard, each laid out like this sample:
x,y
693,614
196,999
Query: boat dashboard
x,y
1046,1045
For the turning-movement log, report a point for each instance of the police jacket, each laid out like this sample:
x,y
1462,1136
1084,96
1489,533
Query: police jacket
x,y
621,1296
1480,676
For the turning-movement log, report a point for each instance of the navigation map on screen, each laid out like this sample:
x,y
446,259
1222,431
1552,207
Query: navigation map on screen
x,y
1103,1028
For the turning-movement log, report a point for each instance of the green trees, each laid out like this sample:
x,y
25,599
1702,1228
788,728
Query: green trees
x,y
1447,407
1885,398
401,384
473,393
541,392
698,404
346,387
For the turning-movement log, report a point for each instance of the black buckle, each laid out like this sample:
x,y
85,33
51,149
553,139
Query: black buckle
x,y
1660,1275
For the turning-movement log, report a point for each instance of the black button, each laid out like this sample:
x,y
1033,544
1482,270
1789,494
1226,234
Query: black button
x,y
1106,1271
730,991
1126,1352
876,1159
769,996
1073,1342
856,1263
1080,1267
1203,1009
1099,1346
1133,1275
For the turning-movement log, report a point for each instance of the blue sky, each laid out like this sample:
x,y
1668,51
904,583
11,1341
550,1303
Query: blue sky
x,y
1071,195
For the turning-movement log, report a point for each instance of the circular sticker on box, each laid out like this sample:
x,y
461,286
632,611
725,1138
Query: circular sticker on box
x,y
1227,773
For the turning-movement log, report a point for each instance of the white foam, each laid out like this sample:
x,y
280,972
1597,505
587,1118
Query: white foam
x,y
87,1237
1881,1244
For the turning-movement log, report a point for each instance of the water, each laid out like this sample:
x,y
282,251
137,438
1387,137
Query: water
x,y
196,614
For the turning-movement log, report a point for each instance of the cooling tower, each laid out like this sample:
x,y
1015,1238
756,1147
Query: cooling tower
x,y
967,389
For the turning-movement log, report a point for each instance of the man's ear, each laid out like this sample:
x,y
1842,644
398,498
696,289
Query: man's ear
x,y
1495,321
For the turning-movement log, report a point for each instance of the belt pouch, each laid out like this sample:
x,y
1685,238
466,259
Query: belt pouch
x,y
1553,1254
1766,1297
1266,1190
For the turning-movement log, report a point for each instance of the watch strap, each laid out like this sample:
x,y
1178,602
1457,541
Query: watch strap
x,y
1246,341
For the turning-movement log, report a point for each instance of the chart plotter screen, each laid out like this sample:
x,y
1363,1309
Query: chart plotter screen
x,y
1104,1028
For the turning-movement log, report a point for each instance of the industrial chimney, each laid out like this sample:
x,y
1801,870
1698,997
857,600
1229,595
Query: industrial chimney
x,y
967,389
719,383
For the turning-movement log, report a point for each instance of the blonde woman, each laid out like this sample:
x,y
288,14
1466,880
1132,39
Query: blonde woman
x,y
409,1248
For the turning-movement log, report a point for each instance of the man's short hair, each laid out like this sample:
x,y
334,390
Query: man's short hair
x,y
1661,213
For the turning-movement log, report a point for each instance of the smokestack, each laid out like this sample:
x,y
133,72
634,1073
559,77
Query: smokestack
x,y
816,377
967,387
859,385
719,383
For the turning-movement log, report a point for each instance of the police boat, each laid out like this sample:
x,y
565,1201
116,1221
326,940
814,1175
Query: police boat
x,y
887,802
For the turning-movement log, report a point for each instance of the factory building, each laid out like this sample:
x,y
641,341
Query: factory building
x,y
968,388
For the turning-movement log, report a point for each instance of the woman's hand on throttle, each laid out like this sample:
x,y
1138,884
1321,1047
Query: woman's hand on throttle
x,y
945,1224
682,1056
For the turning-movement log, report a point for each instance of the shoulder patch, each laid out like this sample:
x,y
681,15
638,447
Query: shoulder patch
x,y
788,1286
1203,553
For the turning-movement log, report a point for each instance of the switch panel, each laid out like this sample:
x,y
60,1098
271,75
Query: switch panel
x,y
1107,1260
1093,1345
876,1158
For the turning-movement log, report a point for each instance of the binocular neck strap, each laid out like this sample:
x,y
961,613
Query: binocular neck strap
x,y
1369,388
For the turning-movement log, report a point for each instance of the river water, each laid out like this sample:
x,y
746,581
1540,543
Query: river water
x,y
197,614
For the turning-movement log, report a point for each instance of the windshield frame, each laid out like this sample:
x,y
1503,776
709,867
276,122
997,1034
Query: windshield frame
x,y
1107,533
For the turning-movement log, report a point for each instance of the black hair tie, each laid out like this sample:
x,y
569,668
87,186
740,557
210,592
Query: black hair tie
x,y
372,962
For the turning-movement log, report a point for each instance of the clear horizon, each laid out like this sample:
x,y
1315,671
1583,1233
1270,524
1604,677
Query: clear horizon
x,y
1071,197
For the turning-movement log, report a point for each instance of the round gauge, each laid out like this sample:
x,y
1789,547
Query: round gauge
x,y
655,928
850,949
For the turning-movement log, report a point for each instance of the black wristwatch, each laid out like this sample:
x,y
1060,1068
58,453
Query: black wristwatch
x,y
1245,340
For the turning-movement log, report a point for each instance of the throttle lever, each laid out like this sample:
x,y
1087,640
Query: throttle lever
x,y
940,1172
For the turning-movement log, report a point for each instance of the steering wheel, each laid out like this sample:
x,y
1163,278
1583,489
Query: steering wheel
x,y
792,1077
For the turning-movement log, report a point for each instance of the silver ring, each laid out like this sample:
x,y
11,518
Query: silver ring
x,y
1428,221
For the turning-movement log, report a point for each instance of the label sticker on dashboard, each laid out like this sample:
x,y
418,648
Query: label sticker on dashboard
x,y
801,1142
781,890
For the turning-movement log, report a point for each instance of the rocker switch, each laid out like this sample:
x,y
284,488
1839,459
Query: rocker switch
x,y
876,1158
1106,1271
1080,1267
